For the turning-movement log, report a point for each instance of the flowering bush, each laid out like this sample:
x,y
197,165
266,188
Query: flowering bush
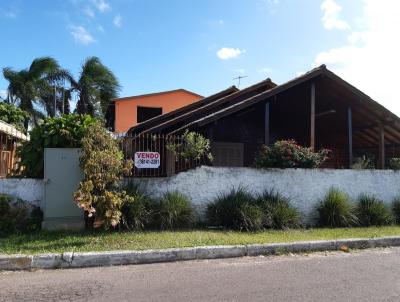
x,y
288,154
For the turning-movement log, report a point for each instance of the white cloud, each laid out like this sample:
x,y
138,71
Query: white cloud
x,y
221,22
226,53
117,21
3,94
101,5
331,18
370,58
265,70
81,35
88,12
100,28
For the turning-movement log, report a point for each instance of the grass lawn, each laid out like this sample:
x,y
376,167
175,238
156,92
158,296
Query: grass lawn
x,y
56,242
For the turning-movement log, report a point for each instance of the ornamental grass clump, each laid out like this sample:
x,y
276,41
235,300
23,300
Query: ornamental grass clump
x,y
103,165
288,154
138,212
174,211
396,209
278,213
373,211
235,210
336,210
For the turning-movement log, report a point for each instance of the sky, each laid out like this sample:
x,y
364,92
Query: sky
x,y
156,45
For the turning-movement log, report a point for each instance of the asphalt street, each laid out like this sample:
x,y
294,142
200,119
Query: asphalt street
x,y
370,275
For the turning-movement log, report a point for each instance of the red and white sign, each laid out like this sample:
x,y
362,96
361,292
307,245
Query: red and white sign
x,y
147,160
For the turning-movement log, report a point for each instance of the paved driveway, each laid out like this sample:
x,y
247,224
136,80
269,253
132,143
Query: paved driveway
x,y
372,275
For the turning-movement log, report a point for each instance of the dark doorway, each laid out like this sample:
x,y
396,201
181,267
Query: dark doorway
x,y
146,113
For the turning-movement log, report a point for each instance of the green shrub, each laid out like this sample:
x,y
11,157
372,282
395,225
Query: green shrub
x,y
235,210
394,163
62,132
18,216
194,146
6,221
372,211
278,213
396,209
288,154
363,162
336,210
35,220
174,211
138,212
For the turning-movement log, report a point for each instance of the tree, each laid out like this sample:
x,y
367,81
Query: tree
x,y
96,86
13,115
29,86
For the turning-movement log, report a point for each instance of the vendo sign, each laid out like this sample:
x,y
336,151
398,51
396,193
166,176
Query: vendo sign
x,y
147,160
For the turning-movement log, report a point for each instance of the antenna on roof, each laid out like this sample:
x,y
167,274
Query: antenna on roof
x,y
238,79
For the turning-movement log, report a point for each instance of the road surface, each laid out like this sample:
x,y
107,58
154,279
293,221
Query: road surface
x,y
371,275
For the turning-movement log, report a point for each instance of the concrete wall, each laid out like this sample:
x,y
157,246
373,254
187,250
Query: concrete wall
x,y
30,190
304,187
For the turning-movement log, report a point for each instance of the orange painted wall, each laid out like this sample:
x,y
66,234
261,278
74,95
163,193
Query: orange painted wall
x,y
126,108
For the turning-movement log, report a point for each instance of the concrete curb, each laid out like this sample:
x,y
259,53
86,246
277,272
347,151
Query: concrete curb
x,y
93,259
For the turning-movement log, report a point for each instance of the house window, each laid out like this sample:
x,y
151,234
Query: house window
x,y
146,113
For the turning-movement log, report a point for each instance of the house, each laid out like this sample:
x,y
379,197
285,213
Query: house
x,y
10,137
318,109
127,112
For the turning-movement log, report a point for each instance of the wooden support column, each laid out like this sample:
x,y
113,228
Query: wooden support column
x,y
350,135
381,163
312,124
266,125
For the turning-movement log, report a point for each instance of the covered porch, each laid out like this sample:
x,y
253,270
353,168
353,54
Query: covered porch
x,y
320,112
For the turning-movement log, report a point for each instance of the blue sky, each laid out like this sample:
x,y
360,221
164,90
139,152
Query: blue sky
x,y
155,45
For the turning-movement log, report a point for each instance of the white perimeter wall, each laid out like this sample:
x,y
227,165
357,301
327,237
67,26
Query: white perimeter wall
x,y
29,190
304,187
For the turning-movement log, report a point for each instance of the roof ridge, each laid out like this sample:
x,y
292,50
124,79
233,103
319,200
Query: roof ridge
x,y
216,102
166,115
321,68
155,93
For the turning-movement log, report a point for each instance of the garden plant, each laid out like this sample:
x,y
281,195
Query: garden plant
x,y
289,154
336,210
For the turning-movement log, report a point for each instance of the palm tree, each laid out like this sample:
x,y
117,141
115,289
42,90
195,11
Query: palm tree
x,y
27,87
96,86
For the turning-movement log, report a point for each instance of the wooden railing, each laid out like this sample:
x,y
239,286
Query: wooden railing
x,y
158,155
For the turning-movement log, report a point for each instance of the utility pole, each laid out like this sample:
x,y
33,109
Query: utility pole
x,y
63,97
55,100
239,78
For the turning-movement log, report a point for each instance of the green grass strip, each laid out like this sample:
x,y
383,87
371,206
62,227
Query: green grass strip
x,y
57,242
